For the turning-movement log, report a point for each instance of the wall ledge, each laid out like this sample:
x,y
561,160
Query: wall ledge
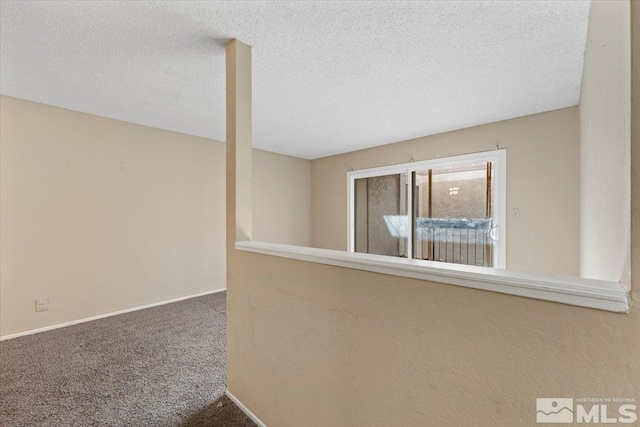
x,y
598,294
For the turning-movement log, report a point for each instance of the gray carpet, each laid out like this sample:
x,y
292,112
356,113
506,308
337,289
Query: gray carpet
x,y
162,366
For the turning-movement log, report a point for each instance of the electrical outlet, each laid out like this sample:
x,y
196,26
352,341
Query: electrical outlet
x,y
42,304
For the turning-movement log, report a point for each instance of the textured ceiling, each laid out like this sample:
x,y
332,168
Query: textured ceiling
x,y
327,77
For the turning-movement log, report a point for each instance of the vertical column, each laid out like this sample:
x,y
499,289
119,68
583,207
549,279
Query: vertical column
x,y
238,65
238,58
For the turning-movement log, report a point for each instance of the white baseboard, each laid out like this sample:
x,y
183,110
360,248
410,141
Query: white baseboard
x,y
244,409
102,316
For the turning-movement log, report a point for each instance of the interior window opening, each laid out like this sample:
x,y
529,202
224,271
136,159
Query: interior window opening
x,y
442,210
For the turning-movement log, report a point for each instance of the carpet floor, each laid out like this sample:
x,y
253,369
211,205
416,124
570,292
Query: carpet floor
x,y
161,366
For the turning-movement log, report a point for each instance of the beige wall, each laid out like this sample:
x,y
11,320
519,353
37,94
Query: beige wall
x,y
604,149
542,182
100,215
281,193
316,345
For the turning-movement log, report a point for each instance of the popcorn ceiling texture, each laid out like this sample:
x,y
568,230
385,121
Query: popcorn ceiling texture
x,y
328,78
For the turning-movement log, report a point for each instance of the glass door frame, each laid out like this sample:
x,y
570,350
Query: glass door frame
x,y
498,195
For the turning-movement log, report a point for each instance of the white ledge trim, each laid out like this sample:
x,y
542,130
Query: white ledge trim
x,y
599,294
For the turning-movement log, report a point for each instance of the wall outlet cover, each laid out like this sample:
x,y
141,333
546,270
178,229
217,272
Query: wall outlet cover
x,y
42,304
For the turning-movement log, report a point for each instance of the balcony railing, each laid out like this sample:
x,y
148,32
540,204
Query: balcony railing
x,y
456,240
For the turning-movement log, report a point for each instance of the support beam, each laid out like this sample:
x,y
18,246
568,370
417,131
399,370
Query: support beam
x,y
238,57
239,219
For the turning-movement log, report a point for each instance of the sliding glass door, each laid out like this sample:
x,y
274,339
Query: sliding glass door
x,y
453,214
444,210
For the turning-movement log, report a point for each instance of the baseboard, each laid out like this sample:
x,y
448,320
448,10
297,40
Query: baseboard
x,y
244,409
102,316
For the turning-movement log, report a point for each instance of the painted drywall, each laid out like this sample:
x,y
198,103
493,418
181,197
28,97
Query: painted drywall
x,y
542,183
316,345
99,215
281,193
604,144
